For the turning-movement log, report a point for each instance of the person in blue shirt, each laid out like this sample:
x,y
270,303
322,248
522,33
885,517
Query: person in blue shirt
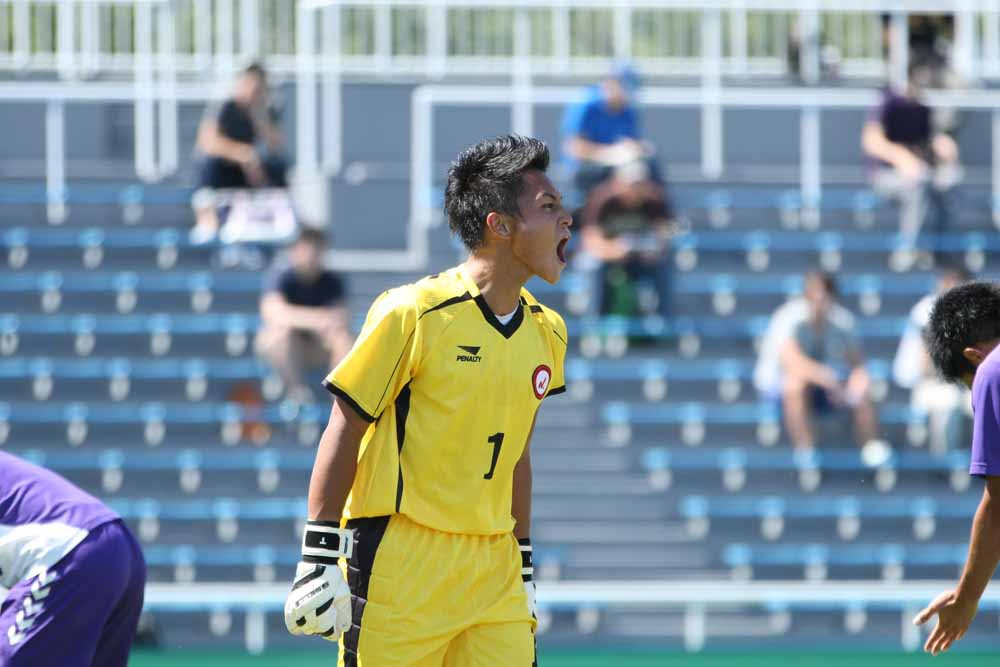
x,y
602,131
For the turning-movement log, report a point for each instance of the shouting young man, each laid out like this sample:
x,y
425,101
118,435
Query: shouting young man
x,y
962,338
421,489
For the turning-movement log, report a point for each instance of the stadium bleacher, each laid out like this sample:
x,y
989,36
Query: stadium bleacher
x,y
120,344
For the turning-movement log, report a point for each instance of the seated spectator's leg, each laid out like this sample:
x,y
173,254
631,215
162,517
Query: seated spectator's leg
x,y
947,177
914,205
664,277
944,405
953,420
316,354
283,348
944,183
655,273
593,272
589,175
336,342
912,197
797,411
865,420
276,168
215,174
858,396
206,219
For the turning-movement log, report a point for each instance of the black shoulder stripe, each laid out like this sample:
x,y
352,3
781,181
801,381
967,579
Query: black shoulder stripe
x,y
560,337
344,396
535,309
448,302
392,375
555,391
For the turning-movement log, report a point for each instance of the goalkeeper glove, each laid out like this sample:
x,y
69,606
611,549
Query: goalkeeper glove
x,y
320,600
528,575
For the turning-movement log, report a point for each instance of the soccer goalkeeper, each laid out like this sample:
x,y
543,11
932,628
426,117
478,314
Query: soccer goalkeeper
x,y
421,487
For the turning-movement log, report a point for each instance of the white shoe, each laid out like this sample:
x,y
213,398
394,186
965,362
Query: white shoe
x,y
875,453
201,235
902,260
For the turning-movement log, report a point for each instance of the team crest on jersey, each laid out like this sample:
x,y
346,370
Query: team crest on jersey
x,y
540,380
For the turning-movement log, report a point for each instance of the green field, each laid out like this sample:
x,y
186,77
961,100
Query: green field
x,y
596,658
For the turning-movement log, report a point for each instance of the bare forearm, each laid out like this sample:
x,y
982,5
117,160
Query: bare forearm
x,y
875,144
272,136
800,366
590,151
214,143
335,466
984,549
582,149
276,310
308,317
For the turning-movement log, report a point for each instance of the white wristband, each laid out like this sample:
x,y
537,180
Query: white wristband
x,y
527,566
325,542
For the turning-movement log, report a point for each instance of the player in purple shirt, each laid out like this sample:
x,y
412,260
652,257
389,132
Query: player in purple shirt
x,y
962,338
74,573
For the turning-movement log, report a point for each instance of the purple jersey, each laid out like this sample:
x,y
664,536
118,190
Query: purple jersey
x,y
42,518
986,417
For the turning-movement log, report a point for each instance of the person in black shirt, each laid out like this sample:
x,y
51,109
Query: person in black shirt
x,y
229,137
909,161
304,316
626,224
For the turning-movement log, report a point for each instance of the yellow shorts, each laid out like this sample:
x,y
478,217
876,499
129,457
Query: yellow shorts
x,y
423,598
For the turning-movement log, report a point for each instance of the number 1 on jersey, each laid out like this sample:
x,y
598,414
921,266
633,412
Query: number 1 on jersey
x,y
496,440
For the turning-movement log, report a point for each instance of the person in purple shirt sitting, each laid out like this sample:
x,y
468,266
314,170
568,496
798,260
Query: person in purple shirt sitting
x,y
74,574
911,162
962,339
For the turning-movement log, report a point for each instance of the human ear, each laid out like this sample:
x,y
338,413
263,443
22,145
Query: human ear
x,y
973,355
497,223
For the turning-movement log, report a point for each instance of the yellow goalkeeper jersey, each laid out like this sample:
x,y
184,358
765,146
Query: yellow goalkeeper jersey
x,y
452,394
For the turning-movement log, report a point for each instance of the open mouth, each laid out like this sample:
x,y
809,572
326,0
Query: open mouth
x,y
561,250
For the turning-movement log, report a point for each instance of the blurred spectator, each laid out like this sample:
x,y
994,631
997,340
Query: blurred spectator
x,y
626,224
602,131
948,406
910,162
767,373
829,55
305,321
242,146
823,370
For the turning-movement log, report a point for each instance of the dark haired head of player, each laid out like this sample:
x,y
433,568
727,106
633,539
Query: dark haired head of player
x,y
509,215
963,329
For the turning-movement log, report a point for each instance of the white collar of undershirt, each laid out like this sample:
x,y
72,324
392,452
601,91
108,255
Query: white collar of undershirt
x,y
504,319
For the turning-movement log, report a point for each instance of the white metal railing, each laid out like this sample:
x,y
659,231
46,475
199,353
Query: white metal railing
x,y
696,599
169,49
434,37
158,43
